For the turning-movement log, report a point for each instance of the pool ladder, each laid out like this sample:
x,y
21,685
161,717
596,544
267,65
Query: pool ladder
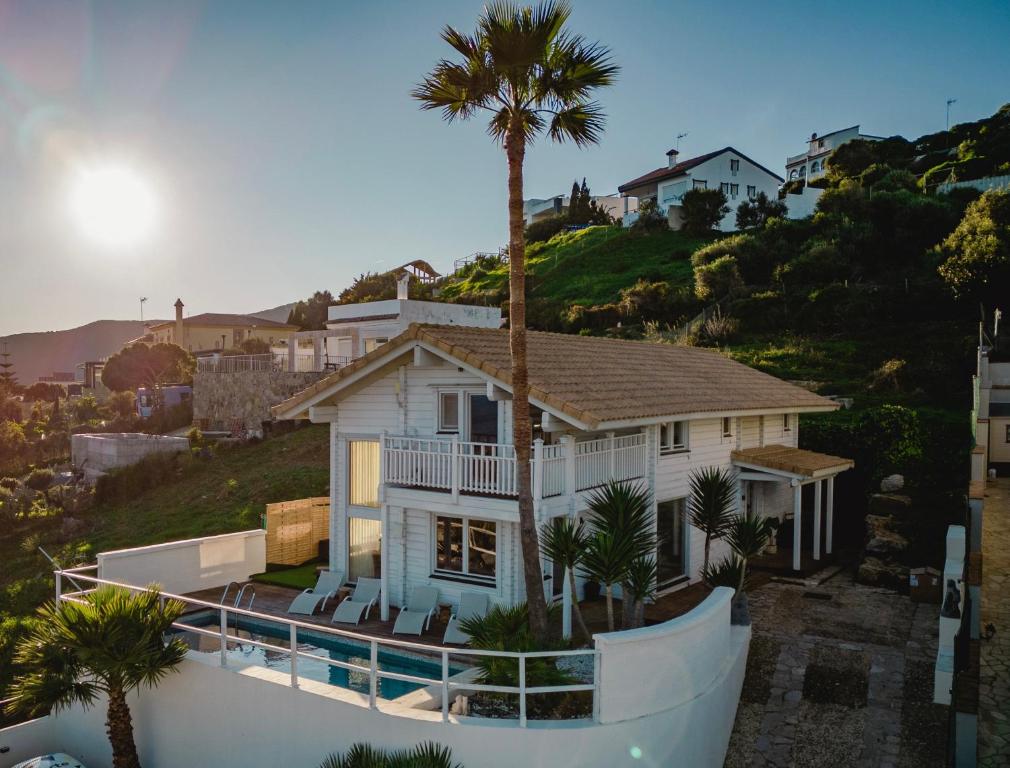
x,y
237,603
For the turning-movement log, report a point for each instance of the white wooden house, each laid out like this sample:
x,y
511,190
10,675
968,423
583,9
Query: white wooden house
x,y
423,482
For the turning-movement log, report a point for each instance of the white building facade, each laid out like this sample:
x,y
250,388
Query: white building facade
x,y
729,170
810,164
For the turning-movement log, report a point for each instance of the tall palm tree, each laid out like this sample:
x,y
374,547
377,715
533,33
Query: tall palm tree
x,y
564,540
112,643
710,504
531,75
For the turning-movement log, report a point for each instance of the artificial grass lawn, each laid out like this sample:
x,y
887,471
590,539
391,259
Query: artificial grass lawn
x,y
299,577
592,265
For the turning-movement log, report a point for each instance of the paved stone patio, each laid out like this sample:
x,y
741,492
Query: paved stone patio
x,y
994,672
839,675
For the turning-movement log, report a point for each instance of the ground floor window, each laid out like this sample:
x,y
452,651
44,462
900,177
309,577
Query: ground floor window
x,y
467,548
364,548
671,531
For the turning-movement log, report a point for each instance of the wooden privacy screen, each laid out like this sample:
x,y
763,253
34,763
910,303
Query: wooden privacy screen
x,y
295,528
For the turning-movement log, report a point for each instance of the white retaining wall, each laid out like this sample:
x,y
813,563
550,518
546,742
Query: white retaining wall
x,y
187,566
98,453
207,715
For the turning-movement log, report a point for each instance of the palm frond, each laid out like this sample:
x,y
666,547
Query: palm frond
x,y
563,541
582,123
711,500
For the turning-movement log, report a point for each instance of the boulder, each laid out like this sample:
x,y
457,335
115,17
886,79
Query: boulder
x,y
892,483
875,572
877,524
890,505
886,543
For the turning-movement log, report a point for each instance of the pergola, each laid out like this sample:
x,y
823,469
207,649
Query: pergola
x,y
779,463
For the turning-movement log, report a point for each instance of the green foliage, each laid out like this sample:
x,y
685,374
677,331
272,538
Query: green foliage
x,y
145,365
10,409
426,755
728,572
977,253
311,314
702,210
582,211
755,213
718,279
710,504
122,405
563,542
124,483
747,536
544,229
650,218
39,479
12,442
84,409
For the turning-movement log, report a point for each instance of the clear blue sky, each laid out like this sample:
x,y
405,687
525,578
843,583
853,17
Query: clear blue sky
x,y
288,157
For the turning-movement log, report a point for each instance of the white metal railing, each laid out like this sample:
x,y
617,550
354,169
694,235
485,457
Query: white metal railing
x,y
445,681
270,361
490,469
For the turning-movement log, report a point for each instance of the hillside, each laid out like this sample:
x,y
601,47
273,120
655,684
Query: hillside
x,y
42,353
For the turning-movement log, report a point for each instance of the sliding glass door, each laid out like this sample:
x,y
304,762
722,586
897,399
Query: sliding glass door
x,y
671,550
364,541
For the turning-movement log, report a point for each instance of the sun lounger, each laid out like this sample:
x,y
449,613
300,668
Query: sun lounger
x,y
358,602
471,604
312,599
415,617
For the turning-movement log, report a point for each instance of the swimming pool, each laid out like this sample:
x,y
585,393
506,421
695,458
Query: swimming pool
x,y
316,643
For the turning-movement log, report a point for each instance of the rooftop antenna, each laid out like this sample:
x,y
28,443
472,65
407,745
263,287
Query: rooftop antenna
x,y
142,300
679,137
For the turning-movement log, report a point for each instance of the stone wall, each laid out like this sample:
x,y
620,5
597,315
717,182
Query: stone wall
x,y
226,401
97,453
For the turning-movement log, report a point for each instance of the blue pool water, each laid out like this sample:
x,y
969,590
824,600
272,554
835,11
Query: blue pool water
x,y
316,643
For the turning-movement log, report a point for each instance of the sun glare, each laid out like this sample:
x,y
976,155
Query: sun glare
x,y
113,205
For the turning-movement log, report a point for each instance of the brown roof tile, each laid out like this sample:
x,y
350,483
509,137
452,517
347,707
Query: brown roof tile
x,y
795,461
599,380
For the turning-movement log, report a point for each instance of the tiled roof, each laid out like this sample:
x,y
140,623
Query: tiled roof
x,y
681,168
795,461
599,380
223,319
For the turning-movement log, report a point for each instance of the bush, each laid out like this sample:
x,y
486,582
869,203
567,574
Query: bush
x,y
10,483
128,482
718,279
703,209
39,479
545,229
650,218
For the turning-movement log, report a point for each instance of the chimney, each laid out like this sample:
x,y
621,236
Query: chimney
x,y
671,158
179,338
402,287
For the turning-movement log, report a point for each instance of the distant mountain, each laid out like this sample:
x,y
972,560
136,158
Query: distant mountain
x,y
46,352
277,314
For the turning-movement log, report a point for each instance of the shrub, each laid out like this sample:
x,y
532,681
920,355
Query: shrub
x,y
650,218
720,328
718,279
10,483
820,263
703,209
128,482
655,301
39,479
545,229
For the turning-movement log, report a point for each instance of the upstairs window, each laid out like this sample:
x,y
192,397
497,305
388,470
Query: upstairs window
x,y
787,422
734,166
727,426
752,191
448,412
724,188
700,184
734,190
673,437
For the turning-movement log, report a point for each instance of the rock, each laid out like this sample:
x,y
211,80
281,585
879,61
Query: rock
x,y
892,483
875,572
877,524
890,505
886,543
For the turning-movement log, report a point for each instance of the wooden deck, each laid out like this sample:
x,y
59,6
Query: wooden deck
x,y
274,600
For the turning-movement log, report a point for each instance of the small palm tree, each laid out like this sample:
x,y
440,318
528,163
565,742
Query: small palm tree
x,y
710,504
747,536
624,530
426,755
529,74
563,540
640,586
113,643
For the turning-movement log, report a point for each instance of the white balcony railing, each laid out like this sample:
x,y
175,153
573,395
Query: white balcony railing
x,y
270,361
489,469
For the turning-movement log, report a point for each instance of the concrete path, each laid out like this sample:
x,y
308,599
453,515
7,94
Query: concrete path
x,y
994,672
839,675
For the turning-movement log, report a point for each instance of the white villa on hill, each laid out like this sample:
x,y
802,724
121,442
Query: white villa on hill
x,y
810,164
739,178
423,485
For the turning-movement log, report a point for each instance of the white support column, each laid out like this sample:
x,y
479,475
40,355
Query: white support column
x,y
384,562
613,456
335,530
566,606
538,473
817,519
454,469
797,524
292,353
317,353
829,517
569,450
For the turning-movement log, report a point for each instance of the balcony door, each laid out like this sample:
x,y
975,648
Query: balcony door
x,y
482,419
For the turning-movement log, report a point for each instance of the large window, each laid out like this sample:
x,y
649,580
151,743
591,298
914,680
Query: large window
x,y
699,184
673,437
363,469
671,534
364,548
466,548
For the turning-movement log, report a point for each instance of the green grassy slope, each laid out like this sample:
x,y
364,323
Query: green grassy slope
x,y
205,497
590,266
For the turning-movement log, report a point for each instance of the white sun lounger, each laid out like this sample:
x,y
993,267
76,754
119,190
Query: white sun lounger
x,y
415,617
471,604
311,599
359,602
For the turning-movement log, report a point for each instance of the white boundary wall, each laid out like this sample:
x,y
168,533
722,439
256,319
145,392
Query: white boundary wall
x,y
207,715
190,565
100,452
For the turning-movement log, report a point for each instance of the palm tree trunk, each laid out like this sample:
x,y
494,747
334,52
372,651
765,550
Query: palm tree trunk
x,y
743,575
576,609
639,613
610,608
119,725
708,544
522,427
627,607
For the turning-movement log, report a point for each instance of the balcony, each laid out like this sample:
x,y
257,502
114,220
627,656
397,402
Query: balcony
x,y
489,469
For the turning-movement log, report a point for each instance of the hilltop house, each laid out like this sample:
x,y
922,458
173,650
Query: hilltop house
x,y
423,481
739,178
538,209
214,331
810,164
